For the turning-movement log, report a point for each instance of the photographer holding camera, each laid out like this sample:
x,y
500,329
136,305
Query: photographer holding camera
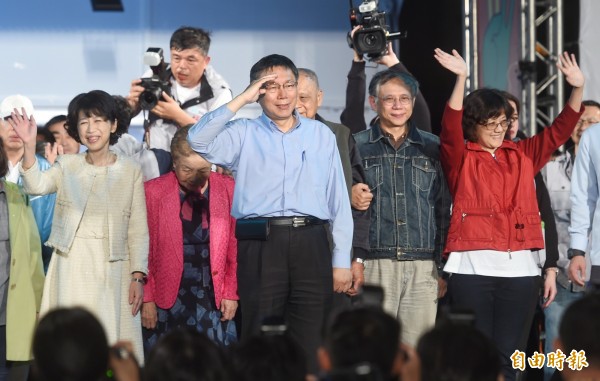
x,y
194,87
353,114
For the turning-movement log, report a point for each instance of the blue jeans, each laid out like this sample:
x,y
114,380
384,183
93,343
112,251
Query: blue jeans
x,y
552,314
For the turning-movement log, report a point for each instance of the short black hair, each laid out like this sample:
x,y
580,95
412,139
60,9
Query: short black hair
x,y
481,105
579,328
188,37
45,134
591,103
185,354
458,352
269,62
363,335
269,358
124,113
96,102
69,345
54,120
514,99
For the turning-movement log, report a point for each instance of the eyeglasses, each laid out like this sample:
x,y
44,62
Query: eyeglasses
x,y
273,87
391,100
581,122
491,126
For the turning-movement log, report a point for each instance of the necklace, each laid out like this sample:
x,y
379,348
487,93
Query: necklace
x,y
110,159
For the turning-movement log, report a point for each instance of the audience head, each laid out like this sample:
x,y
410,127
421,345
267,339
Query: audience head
x,y
96,108
279,100
269,358
69,345
124,113
185,355
364,335
12,142
486,118
43,136
42,139
591,115
458,352
513,128
191,169
57,129
579,329
268,63
392,96
189,55
310,95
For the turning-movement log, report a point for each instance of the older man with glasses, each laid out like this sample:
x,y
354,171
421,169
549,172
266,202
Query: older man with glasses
x,y
410,207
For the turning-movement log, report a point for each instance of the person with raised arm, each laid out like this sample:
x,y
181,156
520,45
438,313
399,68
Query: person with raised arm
x,y
495,221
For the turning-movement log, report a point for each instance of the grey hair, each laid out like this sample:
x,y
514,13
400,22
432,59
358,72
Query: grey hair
x,y
310,74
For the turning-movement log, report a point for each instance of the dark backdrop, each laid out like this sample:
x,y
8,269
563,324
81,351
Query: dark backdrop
x,y
434,23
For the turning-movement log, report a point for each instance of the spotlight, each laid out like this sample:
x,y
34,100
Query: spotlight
x,y
107,5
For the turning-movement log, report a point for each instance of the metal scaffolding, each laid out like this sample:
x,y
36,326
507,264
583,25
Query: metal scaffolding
x,y
542,91
541,42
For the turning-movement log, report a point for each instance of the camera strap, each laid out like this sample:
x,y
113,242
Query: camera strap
x,y
206,93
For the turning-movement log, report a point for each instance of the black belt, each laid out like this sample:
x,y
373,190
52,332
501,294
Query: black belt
x,y
296,222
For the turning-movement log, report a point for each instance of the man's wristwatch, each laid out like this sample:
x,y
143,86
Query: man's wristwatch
x,y
359,260
575,253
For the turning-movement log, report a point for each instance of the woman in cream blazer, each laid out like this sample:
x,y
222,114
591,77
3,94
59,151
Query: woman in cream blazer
x,y
99,230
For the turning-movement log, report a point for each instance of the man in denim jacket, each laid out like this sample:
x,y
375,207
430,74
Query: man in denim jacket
x,y
410,208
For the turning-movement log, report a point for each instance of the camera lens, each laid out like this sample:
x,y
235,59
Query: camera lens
x,y
371,40
149,98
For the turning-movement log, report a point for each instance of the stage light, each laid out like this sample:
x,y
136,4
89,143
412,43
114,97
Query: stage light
x,y
107,5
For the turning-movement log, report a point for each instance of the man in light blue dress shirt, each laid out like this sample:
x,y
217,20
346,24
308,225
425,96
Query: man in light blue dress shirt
x,y
585,209
289,187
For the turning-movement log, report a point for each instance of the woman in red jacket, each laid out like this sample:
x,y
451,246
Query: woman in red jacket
x,y
192,278
495,219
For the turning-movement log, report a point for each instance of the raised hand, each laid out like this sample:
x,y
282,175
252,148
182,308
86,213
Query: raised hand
x,y
52,151
134,94
567,64
255,89
169,108
251,94
24,126
357,57
390,58
453,62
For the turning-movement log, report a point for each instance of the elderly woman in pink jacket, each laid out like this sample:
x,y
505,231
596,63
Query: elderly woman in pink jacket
x,y
191,274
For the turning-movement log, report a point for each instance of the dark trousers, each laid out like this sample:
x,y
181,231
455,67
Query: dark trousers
x,y
289,276
503,308
11,370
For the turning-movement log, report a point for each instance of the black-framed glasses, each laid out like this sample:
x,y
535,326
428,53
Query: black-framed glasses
x,y
491,126
273,87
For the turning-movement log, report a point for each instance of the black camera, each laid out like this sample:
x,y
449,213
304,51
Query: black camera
x,y
373,38
159,82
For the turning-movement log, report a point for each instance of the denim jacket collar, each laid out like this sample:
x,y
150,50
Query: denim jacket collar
x,y
413,136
